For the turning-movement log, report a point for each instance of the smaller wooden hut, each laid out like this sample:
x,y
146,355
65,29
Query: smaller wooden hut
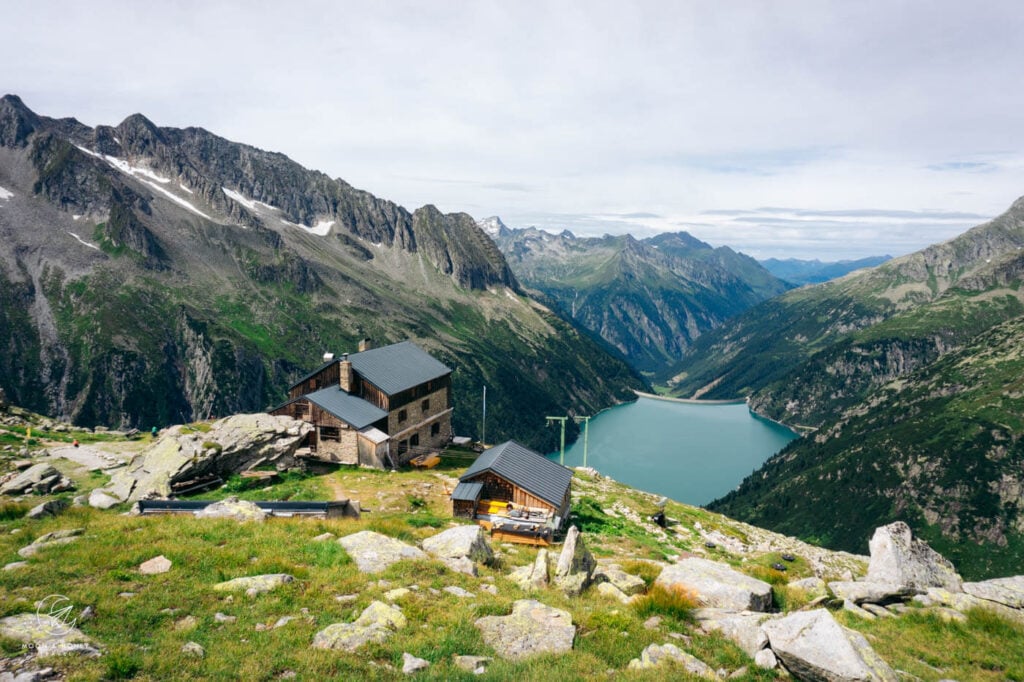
x,y
516,493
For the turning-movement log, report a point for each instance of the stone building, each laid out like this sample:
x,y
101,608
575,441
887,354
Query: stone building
x,y
379,407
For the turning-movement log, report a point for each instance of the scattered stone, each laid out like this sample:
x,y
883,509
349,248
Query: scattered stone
x,y
255,583
345,598
743,628
156,565
489,589
948,615
397,593
461,565
739,672
40,478
323,537
575,568
14,565
612,592
458,592
232,508
716,585
812,587
627,583
412,664
472,664
657,654
282,621
57,537
765,658
857,611
532,576
813,646
877,610
193,649
374,552
859,591
49,635
101,499
48,508
460,541
898,558
376,623
653,623
186,623
224,618
1006,591
531,628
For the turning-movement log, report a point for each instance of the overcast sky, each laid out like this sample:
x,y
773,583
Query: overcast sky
x,y
787,129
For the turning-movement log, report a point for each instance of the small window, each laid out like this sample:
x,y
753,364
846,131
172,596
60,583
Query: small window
x,y
425,405
414,440
330,433
435,429
402,415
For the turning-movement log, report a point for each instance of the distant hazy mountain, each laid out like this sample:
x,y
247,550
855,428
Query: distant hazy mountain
x,y
152,275
910,374
801,272
647,298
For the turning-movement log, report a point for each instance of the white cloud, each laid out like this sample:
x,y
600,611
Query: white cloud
x,y
592,108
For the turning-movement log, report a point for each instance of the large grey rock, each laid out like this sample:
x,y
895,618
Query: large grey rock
x,y
898,558
716,585
963,602
376,623
232,508
232,445
48,508
813,587
50,635
254,584
373,552
743,628
656,655
533,576
627,583
574,570
99,499
814,647
53,539
531,628
460,541
1006,591
860,592
31,479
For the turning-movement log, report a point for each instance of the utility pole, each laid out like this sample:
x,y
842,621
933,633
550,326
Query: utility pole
x,y
586,432
561,452
483,423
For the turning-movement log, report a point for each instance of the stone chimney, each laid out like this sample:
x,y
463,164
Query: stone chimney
x,y
346,377
365,344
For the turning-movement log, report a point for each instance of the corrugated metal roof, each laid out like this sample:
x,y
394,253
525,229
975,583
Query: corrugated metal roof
x,y
525,468
467,492
348,408
397,367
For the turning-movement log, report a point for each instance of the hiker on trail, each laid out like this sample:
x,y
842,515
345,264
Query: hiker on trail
x,y
153,432
75,442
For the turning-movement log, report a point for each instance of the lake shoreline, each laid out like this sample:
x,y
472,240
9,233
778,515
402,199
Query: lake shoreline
x,y
690,401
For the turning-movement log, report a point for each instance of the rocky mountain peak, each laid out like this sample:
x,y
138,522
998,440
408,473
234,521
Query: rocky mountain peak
x,y
17,121
493,227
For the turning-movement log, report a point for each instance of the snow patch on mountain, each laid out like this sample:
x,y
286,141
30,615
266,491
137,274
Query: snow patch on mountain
x,y
5,194
492,226
83,242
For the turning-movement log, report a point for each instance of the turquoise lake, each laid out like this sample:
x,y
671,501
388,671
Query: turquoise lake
x,y
689,453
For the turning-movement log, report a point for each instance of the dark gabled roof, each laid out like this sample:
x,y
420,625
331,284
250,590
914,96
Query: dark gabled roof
x,y
316,371
397,367
467,492
348,408
525,468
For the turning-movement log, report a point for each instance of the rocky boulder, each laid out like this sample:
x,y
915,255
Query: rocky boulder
x,y
99,499
656,655
232,508
575,568
57,537
48,508
39,478
814,647
533,576
376,623
743,628
373,552
458,542
49,635
254,584
626,583
531,628
862,591
899,559
232,445
1006,591
716,585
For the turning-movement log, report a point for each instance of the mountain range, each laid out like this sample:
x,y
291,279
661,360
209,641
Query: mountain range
x,y
152,275
800,272
649,298
907,381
